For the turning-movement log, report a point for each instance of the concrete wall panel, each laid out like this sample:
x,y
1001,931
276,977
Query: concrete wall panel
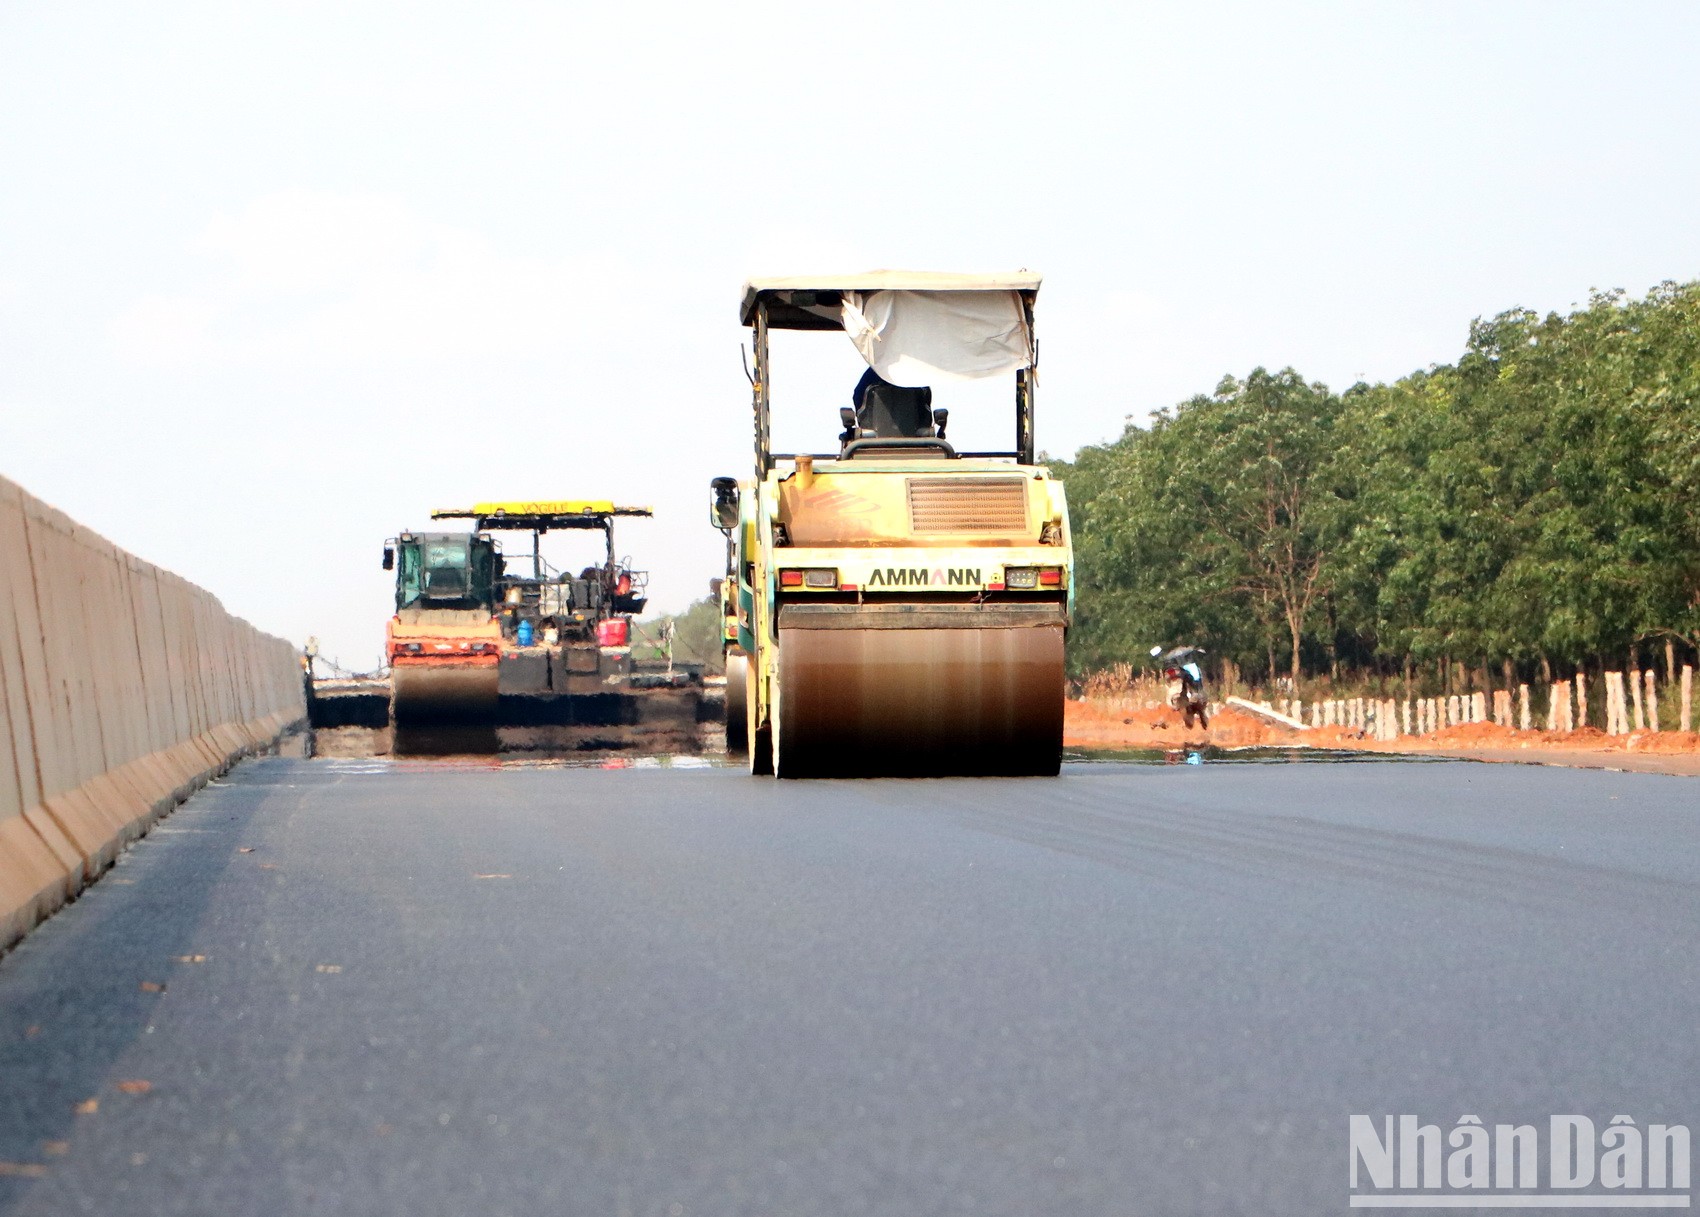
x,y
39,868
123,688
19,787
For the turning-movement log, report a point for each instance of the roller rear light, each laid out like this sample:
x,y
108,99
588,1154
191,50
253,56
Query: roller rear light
x,y
1027,578
444,648
818,578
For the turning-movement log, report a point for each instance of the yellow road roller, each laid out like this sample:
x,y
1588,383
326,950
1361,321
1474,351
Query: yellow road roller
x,y
900,605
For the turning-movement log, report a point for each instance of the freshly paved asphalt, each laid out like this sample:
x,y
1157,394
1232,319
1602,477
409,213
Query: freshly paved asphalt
x,y
456,989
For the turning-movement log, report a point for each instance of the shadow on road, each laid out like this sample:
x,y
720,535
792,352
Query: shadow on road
x,y
132,933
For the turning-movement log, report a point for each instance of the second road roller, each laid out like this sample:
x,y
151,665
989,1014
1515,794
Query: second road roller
x,y
900,606
474,629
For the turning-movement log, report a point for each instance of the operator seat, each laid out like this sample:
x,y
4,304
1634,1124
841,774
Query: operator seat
x,y
891,418
893,412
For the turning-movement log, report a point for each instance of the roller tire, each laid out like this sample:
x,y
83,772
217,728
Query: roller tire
x,y
758,737
737,697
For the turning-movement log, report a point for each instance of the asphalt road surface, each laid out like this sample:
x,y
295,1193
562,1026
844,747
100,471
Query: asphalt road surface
x,y
364,987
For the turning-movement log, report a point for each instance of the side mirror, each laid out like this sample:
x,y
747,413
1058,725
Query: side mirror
x,y
941,416
389,558
723,512
714,586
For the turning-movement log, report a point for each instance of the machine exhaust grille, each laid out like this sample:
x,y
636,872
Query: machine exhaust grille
x,y
965,504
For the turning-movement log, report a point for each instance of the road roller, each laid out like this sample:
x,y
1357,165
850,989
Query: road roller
x,y
475,629
900,606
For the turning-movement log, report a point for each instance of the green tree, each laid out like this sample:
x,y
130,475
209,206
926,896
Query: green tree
x,y
1215,522
696,634
1539,499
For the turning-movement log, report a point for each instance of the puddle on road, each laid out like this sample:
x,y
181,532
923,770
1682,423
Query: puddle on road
x,y
470,750
1257,755
466,763
576,747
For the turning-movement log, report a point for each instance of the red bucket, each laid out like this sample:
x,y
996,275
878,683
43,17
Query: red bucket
x,y
614,632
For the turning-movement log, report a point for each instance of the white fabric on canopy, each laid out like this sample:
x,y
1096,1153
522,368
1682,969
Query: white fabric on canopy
x,y
922,338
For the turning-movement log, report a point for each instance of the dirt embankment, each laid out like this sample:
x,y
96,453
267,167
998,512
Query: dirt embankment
x,y
1107,724
1102,724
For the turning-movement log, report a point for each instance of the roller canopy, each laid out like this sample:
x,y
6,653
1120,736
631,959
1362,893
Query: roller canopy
x,y
812,302
911,327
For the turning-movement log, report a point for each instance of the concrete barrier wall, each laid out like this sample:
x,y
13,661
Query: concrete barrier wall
x,y
123,689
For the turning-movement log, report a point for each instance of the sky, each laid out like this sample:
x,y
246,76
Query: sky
x,y
277,279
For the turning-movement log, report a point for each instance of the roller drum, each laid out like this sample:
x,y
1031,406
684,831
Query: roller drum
x,y
918,702
424,695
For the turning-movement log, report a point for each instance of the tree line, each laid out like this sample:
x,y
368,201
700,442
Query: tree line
x,y
696,636
1529,510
